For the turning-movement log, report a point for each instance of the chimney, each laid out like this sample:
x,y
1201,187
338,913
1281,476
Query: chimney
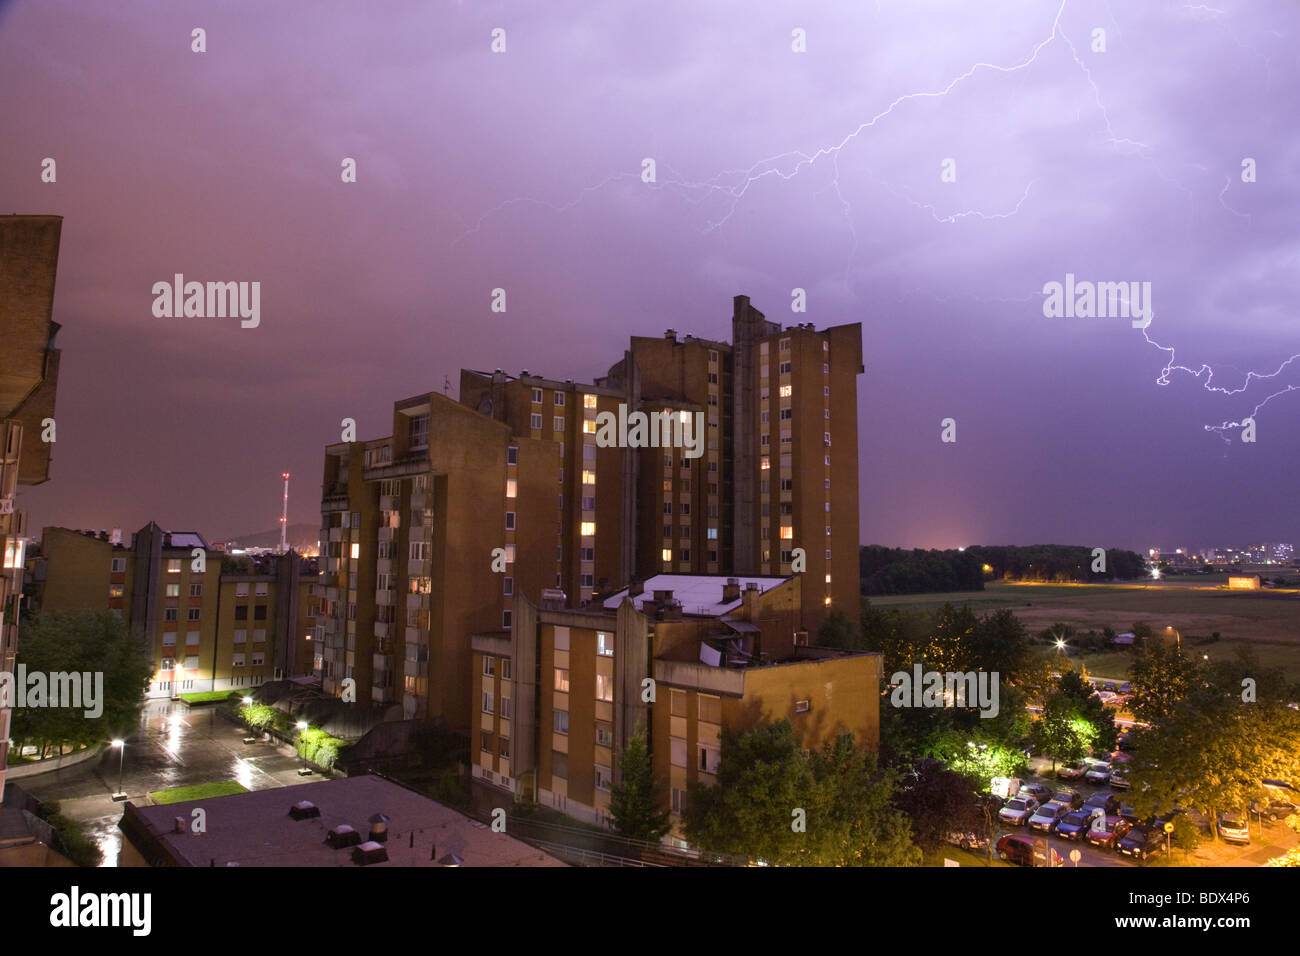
x,y
379,828
731,590
749,602
671,335
180,825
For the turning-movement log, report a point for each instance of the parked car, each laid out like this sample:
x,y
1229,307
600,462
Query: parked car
x,y
1039,791
1107,801
1019,849
966,839
1075,824
1047,816
1098,773
1141,841
1233,829
1068,797
1018,810
1074,770
1273,810
1107,830
1119,778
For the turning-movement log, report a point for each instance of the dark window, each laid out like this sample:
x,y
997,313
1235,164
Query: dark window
x,y
259,613
241,612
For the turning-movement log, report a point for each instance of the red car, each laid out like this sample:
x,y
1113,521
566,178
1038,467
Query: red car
x,y
1108,831
1015,848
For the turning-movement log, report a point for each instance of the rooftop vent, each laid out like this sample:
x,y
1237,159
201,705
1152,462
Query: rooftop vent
x,y
304,810
179,826
731,590
368,853
379,828
343,836
670,335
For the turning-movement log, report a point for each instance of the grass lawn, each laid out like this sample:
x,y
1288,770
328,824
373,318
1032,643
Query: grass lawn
x,y
206,697
963,857
1268,620
200,791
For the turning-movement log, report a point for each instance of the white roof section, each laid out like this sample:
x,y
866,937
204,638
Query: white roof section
x,y
698,593
187,539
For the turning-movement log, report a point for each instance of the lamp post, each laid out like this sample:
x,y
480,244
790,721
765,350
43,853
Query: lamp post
x,y
121,762
305,771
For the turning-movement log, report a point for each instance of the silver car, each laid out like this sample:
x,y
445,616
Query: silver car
x,y
1017,811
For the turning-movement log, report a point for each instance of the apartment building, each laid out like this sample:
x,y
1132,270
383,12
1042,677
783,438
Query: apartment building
x,y
412,522
426,536
29,378
779,470
681,656
205,630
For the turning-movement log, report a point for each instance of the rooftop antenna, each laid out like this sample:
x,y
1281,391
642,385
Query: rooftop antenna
x,y
284,515
446,385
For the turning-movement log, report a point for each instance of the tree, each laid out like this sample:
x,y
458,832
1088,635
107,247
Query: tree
x,y
635,802
838,631
1217,745
1161,677
775,803
939,801
1074,721
79,643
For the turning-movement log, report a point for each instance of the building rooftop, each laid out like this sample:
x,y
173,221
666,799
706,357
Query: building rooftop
x,y
697,593
256,829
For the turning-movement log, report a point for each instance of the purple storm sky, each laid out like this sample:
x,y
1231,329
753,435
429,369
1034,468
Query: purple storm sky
x,y
775,170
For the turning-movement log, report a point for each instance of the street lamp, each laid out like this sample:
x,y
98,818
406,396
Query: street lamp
x,y
305,771
121,761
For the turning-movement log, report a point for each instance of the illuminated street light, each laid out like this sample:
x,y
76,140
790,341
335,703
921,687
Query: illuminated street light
x,y
305,771
121,761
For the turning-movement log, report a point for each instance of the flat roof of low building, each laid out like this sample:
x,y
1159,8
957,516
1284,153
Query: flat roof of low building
x,y
698,593
256,829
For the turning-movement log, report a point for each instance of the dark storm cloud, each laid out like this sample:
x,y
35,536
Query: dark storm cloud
x,y
776,170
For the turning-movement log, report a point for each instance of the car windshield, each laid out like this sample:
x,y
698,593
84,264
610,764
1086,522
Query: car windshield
x,y
1232,820
1016,805
1077,818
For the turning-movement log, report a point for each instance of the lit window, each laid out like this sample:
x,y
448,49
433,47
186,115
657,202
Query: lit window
x,y
667,554
787,532
588,528
173,566
589,426
605,688
765,463
588,477
356,551
604,644
562,679
512,488
588,401
828,579
173,590
787,391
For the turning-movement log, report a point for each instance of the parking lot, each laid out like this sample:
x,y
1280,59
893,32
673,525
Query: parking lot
x,y
1268,840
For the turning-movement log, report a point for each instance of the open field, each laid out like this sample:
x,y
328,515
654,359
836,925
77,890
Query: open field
x,y
1269,619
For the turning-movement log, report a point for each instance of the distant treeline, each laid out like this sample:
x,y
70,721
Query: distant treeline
x,y
900,571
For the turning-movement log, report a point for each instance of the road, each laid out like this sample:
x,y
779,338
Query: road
x,y
175,746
